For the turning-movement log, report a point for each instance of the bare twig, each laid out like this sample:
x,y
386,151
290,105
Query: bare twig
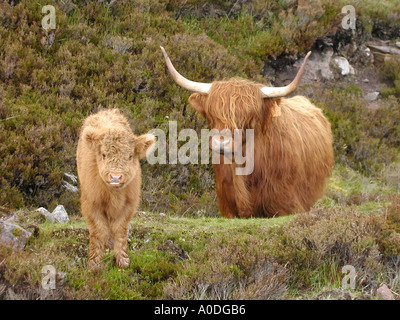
x,y
8,118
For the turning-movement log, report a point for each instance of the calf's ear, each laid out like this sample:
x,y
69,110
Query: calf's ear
x,y
91,137
198,100
143,144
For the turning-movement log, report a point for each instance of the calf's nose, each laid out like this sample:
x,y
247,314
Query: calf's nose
x,y
115,178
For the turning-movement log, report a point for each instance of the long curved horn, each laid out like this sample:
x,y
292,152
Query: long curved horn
x,y
182,81
276,92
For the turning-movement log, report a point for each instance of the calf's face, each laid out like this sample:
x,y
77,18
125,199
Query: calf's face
x,y
117,153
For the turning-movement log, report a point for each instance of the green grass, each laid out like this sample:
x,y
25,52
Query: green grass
x,y
172,257
107,55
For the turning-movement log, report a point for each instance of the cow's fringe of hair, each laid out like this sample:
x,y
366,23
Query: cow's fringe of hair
x,y
239,104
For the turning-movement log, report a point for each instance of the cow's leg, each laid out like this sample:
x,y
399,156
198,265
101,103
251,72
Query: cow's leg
x,y
242,197
226,208
119,231
98,235
225,191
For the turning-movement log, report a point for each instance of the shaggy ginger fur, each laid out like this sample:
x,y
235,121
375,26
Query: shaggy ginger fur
x,y
293,154
110,181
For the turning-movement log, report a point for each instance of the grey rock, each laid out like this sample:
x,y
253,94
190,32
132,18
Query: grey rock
x,y
383,48
384,292
317,68
372,96
322,63
60,214
326,73
13,235
46,213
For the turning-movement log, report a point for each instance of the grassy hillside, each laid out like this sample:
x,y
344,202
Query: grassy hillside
x,y
296,257
105,54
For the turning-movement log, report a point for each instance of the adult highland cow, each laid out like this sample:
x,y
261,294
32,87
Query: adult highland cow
x,y
293,154
110,180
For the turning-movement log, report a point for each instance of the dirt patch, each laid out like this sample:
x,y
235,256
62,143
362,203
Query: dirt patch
x,y
174,249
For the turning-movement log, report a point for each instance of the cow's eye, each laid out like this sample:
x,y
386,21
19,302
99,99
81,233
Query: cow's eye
x,y
130,157
103,155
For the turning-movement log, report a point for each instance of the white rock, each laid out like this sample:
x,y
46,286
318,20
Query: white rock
x,y
73,177
344,66
60,214
74,180
70,187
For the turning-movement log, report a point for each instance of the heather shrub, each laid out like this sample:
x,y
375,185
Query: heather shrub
x,y
364,139
391,69
318,244
106,55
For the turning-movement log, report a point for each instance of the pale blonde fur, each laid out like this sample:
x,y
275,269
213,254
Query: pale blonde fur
x,y
107,146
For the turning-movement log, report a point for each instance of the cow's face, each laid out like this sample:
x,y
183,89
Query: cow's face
x,y
230,108
117,153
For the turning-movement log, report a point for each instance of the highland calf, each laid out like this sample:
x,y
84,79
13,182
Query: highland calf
x,y
109,174
293,153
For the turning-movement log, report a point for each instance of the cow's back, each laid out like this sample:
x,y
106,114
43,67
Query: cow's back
x,y
293,161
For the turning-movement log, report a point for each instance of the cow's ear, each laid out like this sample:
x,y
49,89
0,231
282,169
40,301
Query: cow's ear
x,y
198,101
143,144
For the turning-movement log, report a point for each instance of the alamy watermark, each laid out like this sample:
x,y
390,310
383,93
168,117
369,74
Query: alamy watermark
x,y
349,280
49,277
235,147
349,21
49,20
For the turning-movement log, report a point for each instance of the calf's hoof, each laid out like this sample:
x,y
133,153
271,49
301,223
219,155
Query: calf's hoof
x,y
95,264
122,262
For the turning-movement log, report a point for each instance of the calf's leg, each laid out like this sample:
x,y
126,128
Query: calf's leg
x,y
98,235
119,231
